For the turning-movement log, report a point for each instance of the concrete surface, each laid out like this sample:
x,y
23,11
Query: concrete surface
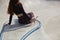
x,y
49,15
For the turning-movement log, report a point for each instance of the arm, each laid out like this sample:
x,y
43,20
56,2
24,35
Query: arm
x,y
10,19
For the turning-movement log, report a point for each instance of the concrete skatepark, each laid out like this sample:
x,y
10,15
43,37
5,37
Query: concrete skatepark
x,y
48,13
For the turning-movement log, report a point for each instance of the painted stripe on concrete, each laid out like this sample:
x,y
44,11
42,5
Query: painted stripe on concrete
x,y
27,34
31,31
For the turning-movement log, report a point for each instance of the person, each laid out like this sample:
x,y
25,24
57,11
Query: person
x,y
16,7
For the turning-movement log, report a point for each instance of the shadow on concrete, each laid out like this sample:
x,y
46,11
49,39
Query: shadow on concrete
x,y
15,26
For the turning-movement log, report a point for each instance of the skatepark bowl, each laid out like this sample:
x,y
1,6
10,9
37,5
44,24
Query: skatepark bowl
x,y
46,26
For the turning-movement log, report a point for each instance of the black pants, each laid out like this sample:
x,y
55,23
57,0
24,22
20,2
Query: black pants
x,y
25,20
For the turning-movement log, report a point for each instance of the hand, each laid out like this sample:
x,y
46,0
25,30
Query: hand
x,y
33,20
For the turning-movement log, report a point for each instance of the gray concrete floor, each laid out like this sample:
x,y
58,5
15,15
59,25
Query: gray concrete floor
x,y
48,13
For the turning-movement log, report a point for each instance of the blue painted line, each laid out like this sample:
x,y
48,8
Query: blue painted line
x,y
27,34
0,36
31,31
1,33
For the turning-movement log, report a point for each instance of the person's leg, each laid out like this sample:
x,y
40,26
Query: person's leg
x,y
31,15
